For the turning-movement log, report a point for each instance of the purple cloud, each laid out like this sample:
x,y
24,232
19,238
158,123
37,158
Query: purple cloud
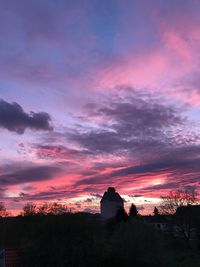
x,y
15,119
15,176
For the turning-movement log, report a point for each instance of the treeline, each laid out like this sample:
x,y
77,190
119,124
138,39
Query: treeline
x,y
52,208
56,208
31,209
84,240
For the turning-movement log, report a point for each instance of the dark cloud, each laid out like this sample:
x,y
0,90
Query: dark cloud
x,y
153,138
15,176
136,196
101,142
133,124
183,161
15,119
55,194
141,115
174,185
164,186
45,195
181,168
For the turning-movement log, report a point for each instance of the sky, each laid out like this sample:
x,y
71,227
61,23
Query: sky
x,y
98,93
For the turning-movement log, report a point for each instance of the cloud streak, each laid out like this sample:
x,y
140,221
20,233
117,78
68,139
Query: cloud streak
x,y
15,175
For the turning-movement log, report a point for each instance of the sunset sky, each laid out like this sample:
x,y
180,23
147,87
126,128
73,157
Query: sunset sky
x,y
98,93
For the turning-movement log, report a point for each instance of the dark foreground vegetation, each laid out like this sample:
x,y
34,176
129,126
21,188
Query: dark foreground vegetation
x,y
84,240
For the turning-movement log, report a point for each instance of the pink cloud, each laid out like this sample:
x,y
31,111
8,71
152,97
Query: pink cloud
x,y
160,67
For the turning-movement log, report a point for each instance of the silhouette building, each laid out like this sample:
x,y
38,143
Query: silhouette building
x,y
110,203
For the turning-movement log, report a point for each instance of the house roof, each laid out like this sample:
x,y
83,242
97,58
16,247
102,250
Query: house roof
x,y
112,195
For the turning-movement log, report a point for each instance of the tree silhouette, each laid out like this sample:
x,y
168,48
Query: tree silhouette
x,y
156,211
133,212
121,215
57,208
3,212
177,199
54,208
42,209
29,209
182,204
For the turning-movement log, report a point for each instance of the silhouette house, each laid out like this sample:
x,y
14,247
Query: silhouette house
x,y
110,203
